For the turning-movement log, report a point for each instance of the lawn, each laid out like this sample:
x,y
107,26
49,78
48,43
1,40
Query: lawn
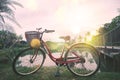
x,y
47,73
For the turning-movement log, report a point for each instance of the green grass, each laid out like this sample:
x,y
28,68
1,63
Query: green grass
x,y
47,73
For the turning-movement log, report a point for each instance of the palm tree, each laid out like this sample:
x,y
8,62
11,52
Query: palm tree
x,y
118,10
7,8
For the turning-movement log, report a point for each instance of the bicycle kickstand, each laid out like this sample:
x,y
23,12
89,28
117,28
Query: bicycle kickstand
x,y
57,74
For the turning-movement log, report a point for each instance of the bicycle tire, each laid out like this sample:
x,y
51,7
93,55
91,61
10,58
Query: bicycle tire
x,y
86,66
23,64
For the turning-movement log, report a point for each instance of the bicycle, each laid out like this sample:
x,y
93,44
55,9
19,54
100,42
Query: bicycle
x,y
81,59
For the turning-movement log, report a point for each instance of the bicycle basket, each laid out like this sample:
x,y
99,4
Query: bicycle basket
x,y
29,35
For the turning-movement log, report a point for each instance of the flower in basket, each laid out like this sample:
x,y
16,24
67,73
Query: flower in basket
x,y
35,43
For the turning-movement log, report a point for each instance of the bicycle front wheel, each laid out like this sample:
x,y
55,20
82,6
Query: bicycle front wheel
x,y
28,61
83,59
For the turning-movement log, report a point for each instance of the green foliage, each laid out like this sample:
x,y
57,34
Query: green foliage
x,y
102,30
109,33
7,39
9,53
10,44
7,8
97,40
110,26
55,46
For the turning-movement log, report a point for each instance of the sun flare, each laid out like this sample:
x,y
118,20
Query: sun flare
x,y
92,33
32,4
74,16
75,30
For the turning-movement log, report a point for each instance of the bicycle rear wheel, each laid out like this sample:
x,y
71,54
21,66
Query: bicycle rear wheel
x,y
28,61
83,59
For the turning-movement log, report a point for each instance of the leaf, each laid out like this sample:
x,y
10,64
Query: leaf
x,y
16,3
13,20
2,18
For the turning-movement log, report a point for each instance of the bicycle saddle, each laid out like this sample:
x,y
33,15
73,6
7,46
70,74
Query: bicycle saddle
x,y
66,38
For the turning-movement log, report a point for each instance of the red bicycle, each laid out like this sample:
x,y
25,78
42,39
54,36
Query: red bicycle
x,y
80,58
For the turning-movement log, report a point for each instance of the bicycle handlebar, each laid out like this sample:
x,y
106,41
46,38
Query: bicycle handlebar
x,y
38,29
45,31
49,31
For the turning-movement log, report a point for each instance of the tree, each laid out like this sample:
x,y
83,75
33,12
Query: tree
x,y
86,36
7,12
19,38
118,10
110,32
7,38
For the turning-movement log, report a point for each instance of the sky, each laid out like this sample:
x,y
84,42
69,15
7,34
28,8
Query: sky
x,y
66,17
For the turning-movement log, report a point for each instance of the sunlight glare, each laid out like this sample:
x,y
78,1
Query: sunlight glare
x,y
74,16
75,30
93,33
32,4
89,38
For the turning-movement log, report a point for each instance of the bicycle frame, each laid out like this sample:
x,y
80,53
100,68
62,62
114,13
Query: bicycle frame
x,y
59,60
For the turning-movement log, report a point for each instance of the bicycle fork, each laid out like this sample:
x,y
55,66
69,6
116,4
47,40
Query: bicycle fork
x,y
34,56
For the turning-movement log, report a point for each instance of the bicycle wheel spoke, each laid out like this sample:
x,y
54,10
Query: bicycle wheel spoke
x,y
26,62
88,62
